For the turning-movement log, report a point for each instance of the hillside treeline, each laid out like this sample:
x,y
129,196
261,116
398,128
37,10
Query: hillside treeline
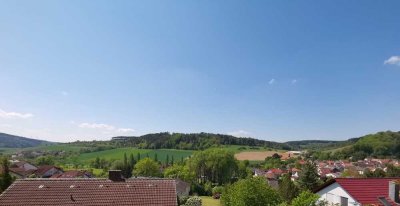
x,y
379,145
194,141
13,141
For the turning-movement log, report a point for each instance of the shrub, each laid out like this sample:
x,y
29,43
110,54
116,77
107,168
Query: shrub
x,y
218,189
193,201
182,200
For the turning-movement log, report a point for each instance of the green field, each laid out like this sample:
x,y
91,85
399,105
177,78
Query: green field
x,y
118,154
209,201
84,159
240,148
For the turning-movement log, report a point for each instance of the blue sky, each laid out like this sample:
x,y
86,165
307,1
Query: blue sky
x,y
274,70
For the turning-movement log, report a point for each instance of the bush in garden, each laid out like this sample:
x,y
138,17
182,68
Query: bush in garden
x,y
193,201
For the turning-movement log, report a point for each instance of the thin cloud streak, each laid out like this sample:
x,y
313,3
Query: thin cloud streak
x,y
240,133
393,60
105,127
14,115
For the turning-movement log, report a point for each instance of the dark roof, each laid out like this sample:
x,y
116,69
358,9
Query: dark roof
x,y
135,192
73,174
21,171
18,164
364,190
44,168
181,185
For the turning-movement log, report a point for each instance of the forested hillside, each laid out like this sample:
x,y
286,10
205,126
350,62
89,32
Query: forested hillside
x,y
193,141
12,141
320,144
381,144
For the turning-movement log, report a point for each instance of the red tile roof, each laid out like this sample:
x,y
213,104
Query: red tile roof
x,y
134,192
365,190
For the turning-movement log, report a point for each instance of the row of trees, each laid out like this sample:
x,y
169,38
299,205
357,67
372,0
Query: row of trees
x,y
195,141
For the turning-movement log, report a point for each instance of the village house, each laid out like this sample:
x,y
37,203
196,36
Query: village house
x,y
91,191
21,169
361,191
47,171
20,173
23,165
73,174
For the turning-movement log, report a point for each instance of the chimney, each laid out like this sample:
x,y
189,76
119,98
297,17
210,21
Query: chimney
x,y
115,176
394,191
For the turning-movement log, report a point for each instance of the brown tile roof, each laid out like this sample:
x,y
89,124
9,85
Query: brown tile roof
x,y
73,174
21,171
134,192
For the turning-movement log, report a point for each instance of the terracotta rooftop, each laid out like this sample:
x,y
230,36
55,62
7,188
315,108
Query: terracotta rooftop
x,y
134,192
365,190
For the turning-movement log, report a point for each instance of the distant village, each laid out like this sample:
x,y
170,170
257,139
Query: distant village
x,y
338,178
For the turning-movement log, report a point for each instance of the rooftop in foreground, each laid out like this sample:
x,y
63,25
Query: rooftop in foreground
x,y
67,191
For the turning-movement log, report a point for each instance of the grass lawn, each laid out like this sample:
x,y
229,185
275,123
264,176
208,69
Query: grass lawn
x,y
209,201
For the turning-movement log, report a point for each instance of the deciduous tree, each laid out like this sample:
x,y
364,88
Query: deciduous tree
x,y
147,168
250,192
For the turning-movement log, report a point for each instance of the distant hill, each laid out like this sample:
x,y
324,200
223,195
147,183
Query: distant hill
x,y
193,141
320,144
12,141
380,145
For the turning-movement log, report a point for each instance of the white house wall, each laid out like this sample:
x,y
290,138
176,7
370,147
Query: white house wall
x,y
332,194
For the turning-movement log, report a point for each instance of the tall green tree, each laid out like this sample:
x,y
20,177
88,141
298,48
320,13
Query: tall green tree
x,y
179,171
97,163
309,178
147,168
243,170
287,189
6,178
250,192
132,161
307,198
45,160
125,159
155,157
214,165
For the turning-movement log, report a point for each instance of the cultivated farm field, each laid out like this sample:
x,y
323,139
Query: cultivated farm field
x,y
255,155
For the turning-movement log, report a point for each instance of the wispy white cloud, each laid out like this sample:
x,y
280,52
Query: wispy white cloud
x,y
239,133
125,130
105,128
271,82
14,115
294,81
394,60
96,126
64,93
